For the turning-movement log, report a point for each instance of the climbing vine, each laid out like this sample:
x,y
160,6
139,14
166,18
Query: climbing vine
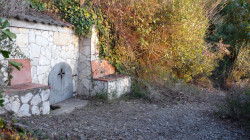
x,y
166,38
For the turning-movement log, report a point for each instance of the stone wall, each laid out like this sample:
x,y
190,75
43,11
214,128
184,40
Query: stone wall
x,y
27,103
46,46
113,86
84,69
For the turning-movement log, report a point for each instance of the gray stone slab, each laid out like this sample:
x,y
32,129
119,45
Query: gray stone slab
x,y
68,106
61,83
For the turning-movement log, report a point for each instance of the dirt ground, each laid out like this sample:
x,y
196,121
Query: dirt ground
x,y
139,119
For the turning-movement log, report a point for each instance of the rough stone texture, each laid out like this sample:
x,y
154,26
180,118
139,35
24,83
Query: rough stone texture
x,y
115,87
36,100
27,102
24,111
26,98
84,69
45,95
35,110
46,46
45,108
61,83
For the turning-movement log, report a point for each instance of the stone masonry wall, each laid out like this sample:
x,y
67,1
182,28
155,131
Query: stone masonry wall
x,y
46,46
27,103
85,75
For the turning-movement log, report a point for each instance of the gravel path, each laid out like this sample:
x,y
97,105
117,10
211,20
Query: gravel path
x,y
138,119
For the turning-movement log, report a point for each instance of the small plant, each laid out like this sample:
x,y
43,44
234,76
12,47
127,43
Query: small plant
x,y
102,95
237,105
37,4
138,91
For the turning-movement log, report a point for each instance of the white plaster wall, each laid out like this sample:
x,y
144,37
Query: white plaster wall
x,y
46,46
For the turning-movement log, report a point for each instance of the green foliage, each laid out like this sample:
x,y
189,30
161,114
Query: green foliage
x,y
231,25
103,95
138,91
7,48
37,4
237,104
6,39
82,17
165,37
241,68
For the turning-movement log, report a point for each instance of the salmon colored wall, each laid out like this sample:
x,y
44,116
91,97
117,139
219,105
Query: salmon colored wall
x,y
22,76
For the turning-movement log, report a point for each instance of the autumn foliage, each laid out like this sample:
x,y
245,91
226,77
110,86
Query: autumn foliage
x,y
153,39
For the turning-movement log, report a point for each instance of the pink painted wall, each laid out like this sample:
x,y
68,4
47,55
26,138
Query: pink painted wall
x,y
22,76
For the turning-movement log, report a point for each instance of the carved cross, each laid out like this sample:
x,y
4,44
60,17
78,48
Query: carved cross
x,y
61,73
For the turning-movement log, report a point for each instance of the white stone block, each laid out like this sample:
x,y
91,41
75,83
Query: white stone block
x,y
33,71
42,69
25,51
35,110
51,44
34,62
24,111
51,39
32,37
45,34
40,79
45,108
44,61
43,50
8,106
34,50
62,39
26,98
38,32
48,53
51,33
42,41
35,79
15,105
45,95
6,100
35,100
23,30
22,39
14,30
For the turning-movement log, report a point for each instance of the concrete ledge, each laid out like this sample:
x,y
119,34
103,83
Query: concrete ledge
x,y
114,85
26,100
39,26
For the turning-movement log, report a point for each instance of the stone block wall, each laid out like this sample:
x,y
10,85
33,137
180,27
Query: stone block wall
x,y
27,103
46,46
84,68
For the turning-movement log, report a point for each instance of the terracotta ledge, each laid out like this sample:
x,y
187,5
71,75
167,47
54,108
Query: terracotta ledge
x,y
112,77
22,87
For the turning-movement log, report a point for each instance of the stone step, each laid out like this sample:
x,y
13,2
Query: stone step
x,y
114,85
67,106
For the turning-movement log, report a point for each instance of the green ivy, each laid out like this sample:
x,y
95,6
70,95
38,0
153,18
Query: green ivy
x,y
82,17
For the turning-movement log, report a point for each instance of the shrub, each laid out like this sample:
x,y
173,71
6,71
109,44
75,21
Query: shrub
x,y
165,37
241,68
237,104
231,25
